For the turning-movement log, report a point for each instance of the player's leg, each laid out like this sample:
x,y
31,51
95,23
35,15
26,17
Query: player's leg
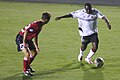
x,y
91,53
25,59
82,49
33,51
32,57
85,42
33,54
94,40
20,47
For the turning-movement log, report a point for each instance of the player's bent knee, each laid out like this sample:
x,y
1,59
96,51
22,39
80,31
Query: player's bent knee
x,y
94,49
34,53
83,47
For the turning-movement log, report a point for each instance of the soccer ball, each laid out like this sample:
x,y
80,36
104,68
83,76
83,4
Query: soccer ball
x,y
99,62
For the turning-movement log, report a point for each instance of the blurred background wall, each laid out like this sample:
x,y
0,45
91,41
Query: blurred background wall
x,y
97,2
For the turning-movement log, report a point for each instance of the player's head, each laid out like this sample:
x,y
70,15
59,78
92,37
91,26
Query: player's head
x,y
88,8
46,17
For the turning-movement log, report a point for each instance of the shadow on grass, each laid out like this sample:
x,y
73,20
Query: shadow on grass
x,y
62,69
89,73
92,73
20,76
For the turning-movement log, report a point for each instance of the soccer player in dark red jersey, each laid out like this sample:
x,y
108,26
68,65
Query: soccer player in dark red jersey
x,y
27,46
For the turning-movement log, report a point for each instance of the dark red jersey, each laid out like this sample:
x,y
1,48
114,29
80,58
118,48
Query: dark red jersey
x,y
33,29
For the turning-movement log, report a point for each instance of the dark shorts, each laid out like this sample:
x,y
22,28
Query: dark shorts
x,y
91,38
19,43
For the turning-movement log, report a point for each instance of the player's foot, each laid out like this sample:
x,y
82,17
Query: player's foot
x,y
80,58
31,70
88,61
27,73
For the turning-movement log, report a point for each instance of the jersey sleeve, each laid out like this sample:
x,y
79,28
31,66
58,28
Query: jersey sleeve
x,y
29,28
99,14
75,14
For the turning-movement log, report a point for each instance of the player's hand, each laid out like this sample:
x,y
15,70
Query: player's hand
x,y
109,26
38,49
25,45
57,18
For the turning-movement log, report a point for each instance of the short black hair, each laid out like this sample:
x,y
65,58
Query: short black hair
x,y
46,15
89,5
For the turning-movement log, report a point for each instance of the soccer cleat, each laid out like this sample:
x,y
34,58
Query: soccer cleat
x,y
88,61
31,70
27,73
80,58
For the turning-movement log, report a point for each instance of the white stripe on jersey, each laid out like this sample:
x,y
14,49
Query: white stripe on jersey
x,y
26,27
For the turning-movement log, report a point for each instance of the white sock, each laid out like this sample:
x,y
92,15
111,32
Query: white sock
x,y
91,53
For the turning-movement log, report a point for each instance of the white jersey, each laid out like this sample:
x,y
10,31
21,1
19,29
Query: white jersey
x,y
87,23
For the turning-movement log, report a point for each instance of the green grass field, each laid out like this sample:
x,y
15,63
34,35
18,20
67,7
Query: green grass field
x,y
59,43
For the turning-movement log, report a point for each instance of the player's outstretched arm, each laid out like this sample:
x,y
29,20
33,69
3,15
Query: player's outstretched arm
x,y
36,44
65,16
107,22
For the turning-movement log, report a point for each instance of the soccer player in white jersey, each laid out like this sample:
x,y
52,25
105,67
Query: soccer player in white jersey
x,y
88,30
